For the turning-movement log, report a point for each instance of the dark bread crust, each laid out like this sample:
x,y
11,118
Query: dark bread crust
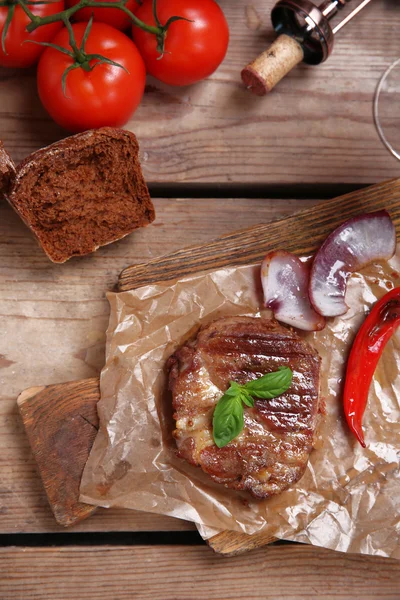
x,y
7,171
83,192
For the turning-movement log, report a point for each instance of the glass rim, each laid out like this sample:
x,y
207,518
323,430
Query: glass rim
x,y
378,125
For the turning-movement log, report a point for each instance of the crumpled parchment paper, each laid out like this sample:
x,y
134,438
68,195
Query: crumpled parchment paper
x,y
349,497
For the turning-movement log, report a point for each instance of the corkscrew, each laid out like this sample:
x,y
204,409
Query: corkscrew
x,y
305,35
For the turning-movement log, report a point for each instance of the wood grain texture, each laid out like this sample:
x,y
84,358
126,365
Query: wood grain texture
x,y
232,543
289,572
61,422
53,320
243,247
316,126
300,233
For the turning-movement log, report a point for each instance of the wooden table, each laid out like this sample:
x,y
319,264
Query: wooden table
x,y
219,159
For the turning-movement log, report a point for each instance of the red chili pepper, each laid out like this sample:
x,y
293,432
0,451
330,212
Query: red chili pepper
x,y
367,348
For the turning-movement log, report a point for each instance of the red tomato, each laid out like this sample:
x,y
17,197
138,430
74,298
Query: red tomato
x,y
112,16
192,50
26,55
107,95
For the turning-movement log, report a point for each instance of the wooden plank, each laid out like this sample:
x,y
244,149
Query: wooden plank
x,y
53,322
232,543
61,423
301,233
242,247
289,572
316,126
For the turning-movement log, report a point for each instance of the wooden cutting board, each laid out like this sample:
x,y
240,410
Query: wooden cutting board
x,y
61,420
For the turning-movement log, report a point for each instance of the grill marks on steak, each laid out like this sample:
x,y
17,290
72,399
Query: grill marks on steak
x,y
272,451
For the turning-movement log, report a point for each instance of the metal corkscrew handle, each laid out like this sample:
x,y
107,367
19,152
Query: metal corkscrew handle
x,y
305,35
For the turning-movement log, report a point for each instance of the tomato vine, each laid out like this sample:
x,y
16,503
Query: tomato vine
x,y
65,16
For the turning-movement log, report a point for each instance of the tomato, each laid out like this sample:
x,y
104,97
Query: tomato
x,y
112,16
192,50
106,95
26,55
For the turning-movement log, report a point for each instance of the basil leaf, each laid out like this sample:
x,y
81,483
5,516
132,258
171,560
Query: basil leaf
x,y
271,384
246,398
228,420
234,389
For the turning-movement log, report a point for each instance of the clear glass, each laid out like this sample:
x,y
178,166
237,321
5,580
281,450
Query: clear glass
x,y
387,108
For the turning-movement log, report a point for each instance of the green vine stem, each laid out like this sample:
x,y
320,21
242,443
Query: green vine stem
x,y
78,55
69,12
10,14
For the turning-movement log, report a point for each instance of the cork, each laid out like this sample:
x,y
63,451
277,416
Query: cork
x,y
271,66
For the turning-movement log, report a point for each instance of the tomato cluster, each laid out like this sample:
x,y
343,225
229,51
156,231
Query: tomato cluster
x,y
105,84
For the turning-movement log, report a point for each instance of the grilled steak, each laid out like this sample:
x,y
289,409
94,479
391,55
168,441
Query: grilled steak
x,y
272,451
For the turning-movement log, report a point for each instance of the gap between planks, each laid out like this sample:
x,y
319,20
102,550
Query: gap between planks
x,y
103,538
282,191
290,572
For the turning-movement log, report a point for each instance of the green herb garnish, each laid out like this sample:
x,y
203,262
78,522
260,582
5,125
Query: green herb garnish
x,y
228,419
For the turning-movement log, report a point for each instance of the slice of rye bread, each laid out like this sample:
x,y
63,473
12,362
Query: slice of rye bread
x,y
83,192
7,171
